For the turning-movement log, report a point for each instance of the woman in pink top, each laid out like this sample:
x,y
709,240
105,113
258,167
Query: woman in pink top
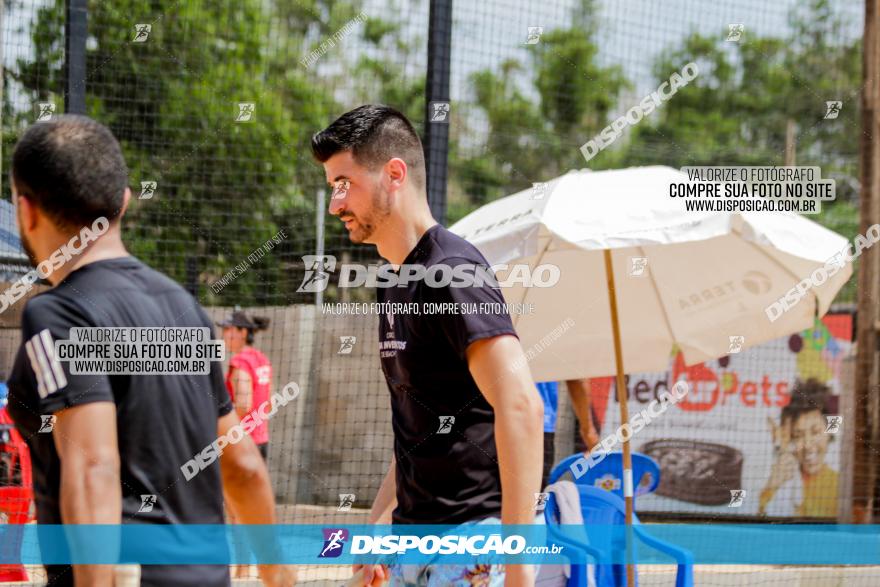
x,y
250,372
248,381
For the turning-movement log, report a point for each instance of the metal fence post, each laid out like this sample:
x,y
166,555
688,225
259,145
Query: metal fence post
x,y
75,33
437,90
867,323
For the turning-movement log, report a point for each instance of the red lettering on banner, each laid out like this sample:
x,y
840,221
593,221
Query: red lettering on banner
x,y
765,387
708,388
698,376
782,395
750,390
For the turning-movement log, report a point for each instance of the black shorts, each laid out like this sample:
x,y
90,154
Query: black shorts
x,y
264,450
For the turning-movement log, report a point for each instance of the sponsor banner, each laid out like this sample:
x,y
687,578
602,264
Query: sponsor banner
x,y
748,439
757,544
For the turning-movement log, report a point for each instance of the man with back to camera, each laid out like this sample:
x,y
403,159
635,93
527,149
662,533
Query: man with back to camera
x,y
115,438
487,464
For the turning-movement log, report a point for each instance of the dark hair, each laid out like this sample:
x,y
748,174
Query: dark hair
x,y
72,168
374,134
806,396
260,323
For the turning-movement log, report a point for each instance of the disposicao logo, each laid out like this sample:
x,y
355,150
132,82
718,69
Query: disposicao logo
x,y
334,542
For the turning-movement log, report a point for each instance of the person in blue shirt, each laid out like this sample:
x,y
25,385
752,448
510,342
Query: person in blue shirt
x,y
587,433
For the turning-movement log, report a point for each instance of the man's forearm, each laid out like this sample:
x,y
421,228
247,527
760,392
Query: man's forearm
x,y
579,392
91,493
519,422
386,497
519,441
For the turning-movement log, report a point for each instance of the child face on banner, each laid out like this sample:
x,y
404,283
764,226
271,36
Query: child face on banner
x,y
810,441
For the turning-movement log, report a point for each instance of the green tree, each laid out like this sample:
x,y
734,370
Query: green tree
x,y
737,110
531,141
223,186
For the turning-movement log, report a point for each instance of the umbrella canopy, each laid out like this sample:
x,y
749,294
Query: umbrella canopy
x,y
691,279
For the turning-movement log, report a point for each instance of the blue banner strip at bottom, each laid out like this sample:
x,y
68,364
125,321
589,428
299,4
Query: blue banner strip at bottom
x,y
760,544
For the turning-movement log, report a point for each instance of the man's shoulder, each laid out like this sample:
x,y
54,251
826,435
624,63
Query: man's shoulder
x,y
451,249
157,280
122,271
52,306
87,298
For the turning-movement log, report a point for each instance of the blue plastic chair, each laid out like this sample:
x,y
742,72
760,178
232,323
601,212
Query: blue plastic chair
x,y
603,508
607,474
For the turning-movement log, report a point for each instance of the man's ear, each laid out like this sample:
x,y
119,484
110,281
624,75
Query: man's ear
x,y
396,171
126,198
27,213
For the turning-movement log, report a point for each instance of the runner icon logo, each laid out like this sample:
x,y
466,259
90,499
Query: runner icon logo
x,y
833,424
440,112
317,275
334,541
541,501
736,498
734,32
142,33
346,500
47,423
637,266
346,344
147,503
148,188
446,423
832,109
534,35
736,344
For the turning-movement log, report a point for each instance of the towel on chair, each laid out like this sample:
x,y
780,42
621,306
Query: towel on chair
x,y
569,501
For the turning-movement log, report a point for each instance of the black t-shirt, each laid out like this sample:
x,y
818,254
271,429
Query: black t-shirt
x,y
446,476
162,420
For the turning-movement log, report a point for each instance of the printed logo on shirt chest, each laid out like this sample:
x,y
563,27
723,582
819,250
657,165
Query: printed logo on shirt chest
x,y
264,375
388,348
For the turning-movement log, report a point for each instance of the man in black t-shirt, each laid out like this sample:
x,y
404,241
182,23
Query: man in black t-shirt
x,y
467,427
108,448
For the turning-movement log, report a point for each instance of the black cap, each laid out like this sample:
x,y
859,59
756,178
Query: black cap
x,y
238,319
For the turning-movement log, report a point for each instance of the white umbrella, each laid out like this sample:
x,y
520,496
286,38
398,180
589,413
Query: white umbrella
x,y
707,276
693,279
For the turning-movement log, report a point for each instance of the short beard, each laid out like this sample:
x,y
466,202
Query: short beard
x,y
381,210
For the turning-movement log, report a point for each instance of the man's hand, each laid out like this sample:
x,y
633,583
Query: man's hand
x,y
371,575
380,513
519,575
590,436
386,498
278,575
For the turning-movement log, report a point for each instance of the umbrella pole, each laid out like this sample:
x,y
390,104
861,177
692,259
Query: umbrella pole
x,y
624,417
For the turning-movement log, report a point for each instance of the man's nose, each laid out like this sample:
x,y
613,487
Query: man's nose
x,y
337,204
